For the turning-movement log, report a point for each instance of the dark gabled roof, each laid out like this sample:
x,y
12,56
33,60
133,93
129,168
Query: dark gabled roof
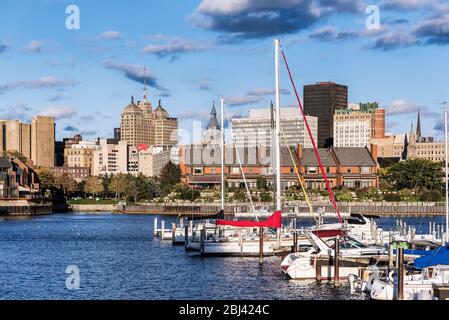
x,y
309,158
4,163
353,156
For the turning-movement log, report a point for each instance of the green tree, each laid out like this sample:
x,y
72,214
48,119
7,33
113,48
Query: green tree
x,y
131,189
261,183
46,178
240,195
15,154
416,174
66,184
343,195
431,195
265,197
118,185
170,174
93,185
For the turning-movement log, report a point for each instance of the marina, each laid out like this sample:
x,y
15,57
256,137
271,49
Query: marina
x,y
118,258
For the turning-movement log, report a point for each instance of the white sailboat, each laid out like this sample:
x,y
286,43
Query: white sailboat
x,y
435,271
245,241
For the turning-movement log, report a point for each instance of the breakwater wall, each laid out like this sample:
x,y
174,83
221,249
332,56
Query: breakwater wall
x,y
25,207
367,208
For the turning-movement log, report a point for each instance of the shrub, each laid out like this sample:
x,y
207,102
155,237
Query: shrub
x,y
392,197
431,195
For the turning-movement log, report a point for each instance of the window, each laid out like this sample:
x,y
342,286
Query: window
x,y
365,170
197,170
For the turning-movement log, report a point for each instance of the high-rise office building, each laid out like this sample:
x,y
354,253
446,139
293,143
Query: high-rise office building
x,y
321,100
255,130
357,125
140,124
36,141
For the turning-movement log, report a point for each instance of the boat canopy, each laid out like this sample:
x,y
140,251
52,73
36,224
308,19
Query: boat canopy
x,y
440,256
273,221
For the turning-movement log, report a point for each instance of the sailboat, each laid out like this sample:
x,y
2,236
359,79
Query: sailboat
x,y
241,237
432,266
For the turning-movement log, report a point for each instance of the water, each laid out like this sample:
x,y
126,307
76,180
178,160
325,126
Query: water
x,y
119,259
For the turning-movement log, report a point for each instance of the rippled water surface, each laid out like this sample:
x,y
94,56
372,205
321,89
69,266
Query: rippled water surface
x,y
119,259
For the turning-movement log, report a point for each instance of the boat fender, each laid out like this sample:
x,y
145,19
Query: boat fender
x,y
391,275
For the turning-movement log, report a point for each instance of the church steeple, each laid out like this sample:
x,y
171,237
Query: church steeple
x,y
418,126
213,122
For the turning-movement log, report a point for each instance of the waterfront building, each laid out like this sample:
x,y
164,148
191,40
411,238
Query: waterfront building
x,y
80,154
151,160
17,179
140,124
390,146
77,173
110,158
345,167
412,146
357,125
36,141
321,100
255,130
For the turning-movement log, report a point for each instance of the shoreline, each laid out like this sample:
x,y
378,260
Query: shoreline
x,y
381,209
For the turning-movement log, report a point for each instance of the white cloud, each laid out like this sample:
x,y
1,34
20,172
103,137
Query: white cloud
x,y
111,35
59,112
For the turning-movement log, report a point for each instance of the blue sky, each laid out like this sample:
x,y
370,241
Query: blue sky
x,y
196,51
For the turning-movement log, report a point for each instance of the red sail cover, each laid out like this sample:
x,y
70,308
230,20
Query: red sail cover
x,y
274,221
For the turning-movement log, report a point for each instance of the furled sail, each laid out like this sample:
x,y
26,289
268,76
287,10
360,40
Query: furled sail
x,y
273,221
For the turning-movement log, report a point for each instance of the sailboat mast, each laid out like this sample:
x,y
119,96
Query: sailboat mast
x,y
222,156
277,147
446,171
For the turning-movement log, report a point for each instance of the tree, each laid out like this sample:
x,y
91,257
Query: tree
x,y
261,183
170,174
66,184
343,195
118,184
93,185
46,178
417,174
240,195
431,195
265,197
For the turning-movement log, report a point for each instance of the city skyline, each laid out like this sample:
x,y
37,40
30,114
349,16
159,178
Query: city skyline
x,y
85,77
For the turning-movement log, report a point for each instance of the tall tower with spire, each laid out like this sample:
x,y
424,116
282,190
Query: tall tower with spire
x,y
418,126
213,132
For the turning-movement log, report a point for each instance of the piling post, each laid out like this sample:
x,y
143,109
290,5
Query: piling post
x,y
400,258
317,269
390,254
173,233
202,238
162,229
186,236
155,226
261,245
337,262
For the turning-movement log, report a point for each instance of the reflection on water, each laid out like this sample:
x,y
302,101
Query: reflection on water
x,y
119,259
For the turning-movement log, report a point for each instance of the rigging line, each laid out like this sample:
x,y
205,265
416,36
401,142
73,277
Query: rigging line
x,y
323,172
298,175
240,163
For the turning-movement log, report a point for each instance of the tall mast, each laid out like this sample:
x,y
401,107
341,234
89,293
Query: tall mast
x,y
222,157
446,171
277,146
